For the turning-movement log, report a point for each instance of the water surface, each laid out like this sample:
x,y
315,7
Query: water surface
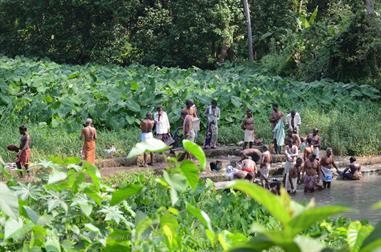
x,y
359,195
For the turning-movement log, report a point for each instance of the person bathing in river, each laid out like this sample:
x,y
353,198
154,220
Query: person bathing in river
x,y
294,174
310,173
291,153
212,114
265,166
293,122
326,164
248,127
89,135
353,171
254,153
146,126
162,126
276,119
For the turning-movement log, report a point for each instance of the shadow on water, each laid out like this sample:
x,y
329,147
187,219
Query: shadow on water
x,y
358,195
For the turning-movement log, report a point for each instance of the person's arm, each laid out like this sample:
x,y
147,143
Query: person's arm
x,y
298,119
82,136
218,114
95,134
167,122
243,124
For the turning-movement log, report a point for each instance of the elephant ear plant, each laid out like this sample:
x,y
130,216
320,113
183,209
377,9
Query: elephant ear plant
x,y
295,219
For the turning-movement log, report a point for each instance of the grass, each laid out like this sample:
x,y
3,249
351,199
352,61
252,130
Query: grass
x,y
346,132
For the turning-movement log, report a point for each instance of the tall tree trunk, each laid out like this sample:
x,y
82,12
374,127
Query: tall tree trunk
x,y
248,26
369,6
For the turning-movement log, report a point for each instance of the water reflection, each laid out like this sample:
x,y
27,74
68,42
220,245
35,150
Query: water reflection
x,y
358,195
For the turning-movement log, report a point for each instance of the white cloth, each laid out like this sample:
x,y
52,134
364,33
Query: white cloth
x,y
212,116
297,121
326,173
146,136
249,136
162,123
316,151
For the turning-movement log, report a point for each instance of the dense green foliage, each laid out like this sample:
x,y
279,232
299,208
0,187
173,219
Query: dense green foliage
x,y
64,211
43,93
310,39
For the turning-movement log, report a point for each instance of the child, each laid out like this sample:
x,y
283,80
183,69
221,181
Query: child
x,y
248,126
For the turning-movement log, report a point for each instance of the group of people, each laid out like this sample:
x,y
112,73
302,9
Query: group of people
x,y
303,162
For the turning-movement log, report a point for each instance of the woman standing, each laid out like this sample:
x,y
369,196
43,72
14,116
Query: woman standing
x,y
212,114
191,109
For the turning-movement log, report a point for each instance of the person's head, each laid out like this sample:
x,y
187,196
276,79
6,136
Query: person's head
x,y
264,148
244,156
249,113
315,131
148,115
299,161
159,108
352,159
293,113
275,107
329,152
309,141
189,103
183,114
289,133
214,103
89,122
302,139
289,143
312,157
23,129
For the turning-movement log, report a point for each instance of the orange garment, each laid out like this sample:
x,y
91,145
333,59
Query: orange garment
x,y
23,157
88,151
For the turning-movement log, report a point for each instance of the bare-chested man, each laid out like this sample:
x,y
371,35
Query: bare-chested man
x,y
188,132
326,164
89,135
310,173
264,169
275,116
23,156
308,150
248,126
291,153
294,174
255,154
353,171
146,126
315,141
294,138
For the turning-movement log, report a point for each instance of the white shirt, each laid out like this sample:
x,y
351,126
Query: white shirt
x,y
297,120
162,123
213,116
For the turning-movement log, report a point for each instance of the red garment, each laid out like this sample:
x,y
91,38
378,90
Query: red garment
x,y
88,151
23,157
248,169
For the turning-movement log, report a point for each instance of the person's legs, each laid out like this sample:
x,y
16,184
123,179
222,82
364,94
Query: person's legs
x,y
145,159
151,158
250,145
244,145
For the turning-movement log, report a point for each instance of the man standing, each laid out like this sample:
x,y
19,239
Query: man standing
x,y
293,122
88,135
212,113
146,126
278,128
310,173
23,157
293,137
248,126
291,152
264,169
315,141
162,126
188,131
326,164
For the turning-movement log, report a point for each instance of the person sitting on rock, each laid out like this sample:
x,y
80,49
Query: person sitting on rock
x,y
353,171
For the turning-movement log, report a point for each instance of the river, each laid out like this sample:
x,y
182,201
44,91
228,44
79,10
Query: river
x,y
359,195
